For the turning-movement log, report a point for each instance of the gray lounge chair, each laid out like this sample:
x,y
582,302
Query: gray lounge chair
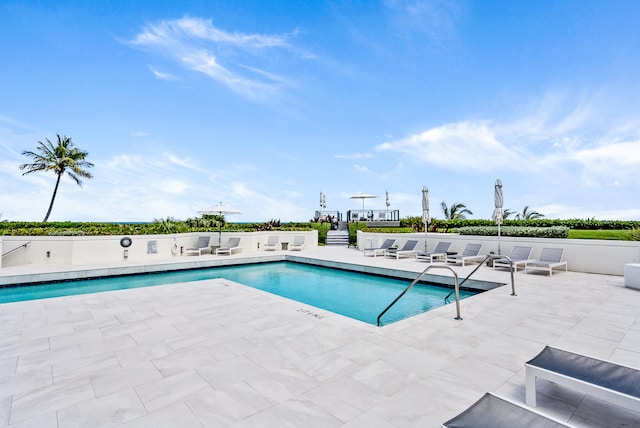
x,y
617,384
272,243
550,258
201,247
519,256
407,250
297,244
440,252
388,243
496,412
469,254
232,246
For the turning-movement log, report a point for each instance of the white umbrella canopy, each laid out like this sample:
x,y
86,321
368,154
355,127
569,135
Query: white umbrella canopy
x,y
362,196
425,213
498,212
219,209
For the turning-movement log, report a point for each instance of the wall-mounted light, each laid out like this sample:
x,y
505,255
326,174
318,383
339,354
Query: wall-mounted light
x,y
126,254
48,254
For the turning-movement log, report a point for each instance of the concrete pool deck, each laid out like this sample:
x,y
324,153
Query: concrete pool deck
x,y
216,353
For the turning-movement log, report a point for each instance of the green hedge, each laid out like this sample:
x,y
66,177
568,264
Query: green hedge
x,y
536,232
585,224
157,227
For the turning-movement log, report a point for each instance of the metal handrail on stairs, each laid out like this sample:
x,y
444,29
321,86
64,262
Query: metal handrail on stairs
x,y
491,257
456,290
457,285
18,247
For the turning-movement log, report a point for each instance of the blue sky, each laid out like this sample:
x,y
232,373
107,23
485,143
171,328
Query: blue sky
x,y
263,105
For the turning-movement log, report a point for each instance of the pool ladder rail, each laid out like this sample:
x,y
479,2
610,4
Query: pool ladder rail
x,y
457,284
17,248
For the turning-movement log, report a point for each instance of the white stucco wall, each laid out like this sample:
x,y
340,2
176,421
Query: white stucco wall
x,y
582,255
82,250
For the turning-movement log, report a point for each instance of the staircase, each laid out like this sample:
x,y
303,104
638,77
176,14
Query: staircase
x,y
340,236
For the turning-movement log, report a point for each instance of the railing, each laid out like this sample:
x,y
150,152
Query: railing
x,y
457,285
372,215
18,247
493,257
456,290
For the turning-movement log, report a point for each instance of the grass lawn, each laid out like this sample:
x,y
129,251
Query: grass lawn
x,y
622,235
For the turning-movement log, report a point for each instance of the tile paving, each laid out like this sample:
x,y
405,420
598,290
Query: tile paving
x,y
217,353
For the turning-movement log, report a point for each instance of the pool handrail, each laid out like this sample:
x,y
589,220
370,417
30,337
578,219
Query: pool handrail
x,y
17,248
415,281
492,257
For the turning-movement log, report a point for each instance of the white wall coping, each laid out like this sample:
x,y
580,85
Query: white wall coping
x,y
88,250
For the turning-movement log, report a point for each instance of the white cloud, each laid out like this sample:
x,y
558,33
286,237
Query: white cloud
x,y
229,58
161,75
462,145
437,20
362,168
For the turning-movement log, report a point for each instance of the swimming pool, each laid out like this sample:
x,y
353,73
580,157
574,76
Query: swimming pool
x,y
355,295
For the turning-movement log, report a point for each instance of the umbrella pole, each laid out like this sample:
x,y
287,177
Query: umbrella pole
x,y
426,228
498,238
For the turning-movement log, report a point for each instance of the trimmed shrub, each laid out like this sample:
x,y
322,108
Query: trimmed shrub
x,y
534,232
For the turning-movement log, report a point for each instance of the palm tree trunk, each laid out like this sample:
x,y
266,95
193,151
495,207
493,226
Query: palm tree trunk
x,y
53,198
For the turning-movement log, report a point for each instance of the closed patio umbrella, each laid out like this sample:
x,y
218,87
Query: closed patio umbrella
x,y
498,213
425,213
221,210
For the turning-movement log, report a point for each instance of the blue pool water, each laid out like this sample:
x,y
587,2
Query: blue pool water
x,y
352,294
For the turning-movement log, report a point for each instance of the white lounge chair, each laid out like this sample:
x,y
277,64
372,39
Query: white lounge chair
x,y
469,254
232,245
272,243
519,257
497,412
201,247
297,244
617,384
407,250
549,259
388,243
440,252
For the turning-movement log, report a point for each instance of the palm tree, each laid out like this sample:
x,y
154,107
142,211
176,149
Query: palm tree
x,y
528,215
455,212
61,158
507,213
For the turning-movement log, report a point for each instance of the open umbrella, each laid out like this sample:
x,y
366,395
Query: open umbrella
x,y
363,196
221,210
498,213
425,213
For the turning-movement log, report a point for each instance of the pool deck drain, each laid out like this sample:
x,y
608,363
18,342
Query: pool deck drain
x,y
229,355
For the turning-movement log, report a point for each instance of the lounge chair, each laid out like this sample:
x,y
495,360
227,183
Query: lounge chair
x,y
407,250
550,258
496,412
614,383
201,247
232,245
388,243
440,252
469,254
297,244
519,257
272,243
